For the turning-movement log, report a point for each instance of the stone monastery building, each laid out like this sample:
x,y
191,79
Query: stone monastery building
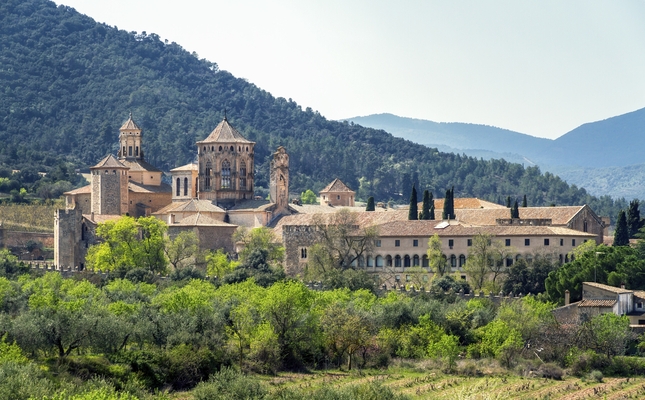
x,y
215,195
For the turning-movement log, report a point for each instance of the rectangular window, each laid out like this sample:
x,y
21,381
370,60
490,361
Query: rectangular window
x,y
470,242
507,242
397,243
451,243
546,242
415,243
130,151
561,242
377,243
573,242
527,242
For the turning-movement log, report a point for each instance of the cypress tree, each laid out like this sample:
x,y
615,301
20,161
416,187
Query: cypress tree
x,y
452,203
446,205
633,218
431,207
370,204
425,208
508,202
414,209
449,204
524,202
406,184
621,235
515,211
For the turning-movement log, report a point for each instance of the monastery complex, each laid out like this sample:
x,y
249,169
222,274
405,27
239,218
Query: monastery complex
x,y
215,195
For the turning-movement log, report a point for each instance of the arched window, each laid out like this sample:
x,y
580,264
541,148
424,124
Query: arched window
x,y
212,148
361,261
370,261
220,148
232,148
378,261
415,261
453,261
509,260
185,186
136,152
406,261
242,175
561,258
247,148
529,258
517,257
388,261
208,172
226,175
397,261
424,261
462,260
178,187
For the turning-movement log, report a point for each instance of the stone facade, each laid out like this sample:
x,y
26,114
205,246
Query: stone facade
x,y
337,194
279,179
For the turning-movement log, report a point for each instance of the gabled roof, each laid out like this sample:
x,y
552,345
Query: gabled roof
x,y
192,205
488,216
199,219
596,303
464,202
139,165
130,125
87,189
336,186
109,162
135,187
225,133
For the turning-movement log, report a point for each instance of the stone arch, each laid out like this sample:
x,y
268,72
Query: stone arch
x,y
397,261
406,261
462,260
378,261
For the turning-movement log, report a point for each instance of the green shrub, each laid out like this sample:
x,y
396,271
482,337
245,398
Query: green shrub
x,y
581,363
229,384
23,381
596,375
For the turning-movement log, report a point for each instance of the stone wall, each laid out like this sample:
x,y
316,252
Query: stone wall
x,y
19,239
210,237
155,201
295,238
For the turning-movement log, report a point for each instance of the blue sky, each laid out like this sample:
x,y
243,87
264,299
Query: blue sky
x,y
536,67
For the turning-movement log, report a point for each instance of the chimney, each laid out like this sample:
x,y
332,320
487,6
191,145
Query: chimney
x,y
92,216
566,297
622,285
172,218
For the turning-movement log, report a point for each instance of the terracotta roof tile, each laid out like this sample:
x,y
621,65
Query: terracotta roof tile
x,y
464,202
98,218
192,205
336,186
225,133
109,161
187,167
139,165
82,190
139,188
199,219
251,205
608,288
482,216
597,303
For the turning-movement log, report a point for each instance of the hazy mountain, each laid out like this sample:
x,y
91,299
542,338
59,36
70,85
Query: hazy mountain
x,y
605,156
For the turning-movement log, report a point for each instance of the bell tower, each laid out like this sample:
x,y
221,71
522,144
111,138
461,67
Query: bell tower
x,y
279,180
130,141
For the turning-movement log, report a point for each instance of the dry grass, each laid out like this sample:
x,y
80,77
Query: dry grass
x,y
28,218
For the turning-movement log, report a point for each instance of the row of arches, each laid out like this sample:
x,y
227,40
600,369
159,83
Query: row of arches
x,y
240,149
454,261
226,181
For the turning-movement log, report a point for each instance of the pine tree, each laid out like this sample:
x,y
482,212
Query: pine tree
x,y
634,222
370,204
425,208
524,202
413,214
621,235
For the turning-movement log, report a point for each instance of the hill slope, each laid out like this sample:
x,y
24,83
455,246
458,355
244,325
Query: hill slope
x,y
68,83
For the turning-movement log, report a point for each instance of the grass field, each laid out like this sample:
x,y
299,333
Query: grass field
x,y
433,384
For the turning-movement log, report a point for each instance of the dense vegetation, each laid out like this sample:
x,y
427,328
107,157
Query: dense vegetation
x,y
68,83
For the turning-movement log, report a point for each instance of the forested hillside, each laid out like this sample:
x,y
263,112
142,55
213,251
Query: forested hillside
x,y
67,83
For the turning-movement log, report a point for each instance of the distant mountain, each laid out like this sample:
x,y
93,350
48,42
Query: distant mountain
x,y
605,156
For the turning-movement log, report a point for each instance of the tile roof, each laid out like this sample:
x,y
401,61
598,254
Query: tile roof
x,y
608,288
187,167
596,303
130,125
109,161
336,186
192,205
225,133
455,228
482,216
98,218
464,202
251,205
82,190
139,165
363,218
199,219
322,209
139,188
